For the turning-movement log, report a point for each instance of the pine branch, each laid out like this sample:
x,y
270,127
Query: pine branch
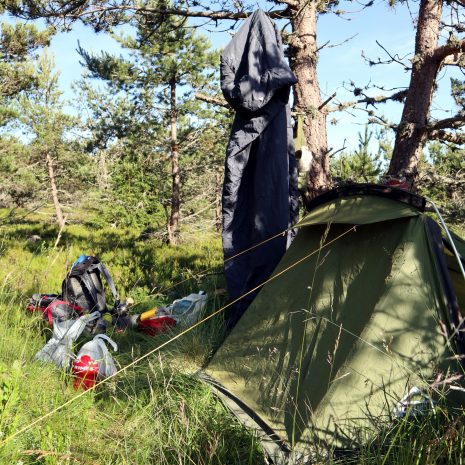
x,y
81,9
397,97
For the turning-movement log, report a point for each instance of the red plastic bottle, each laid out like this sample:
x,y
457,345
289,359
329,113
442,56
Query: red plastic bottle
x,y
85,370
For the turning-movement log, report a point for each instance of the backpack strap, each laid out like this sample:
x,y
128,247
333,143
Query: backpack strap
x,y
103,269
89,285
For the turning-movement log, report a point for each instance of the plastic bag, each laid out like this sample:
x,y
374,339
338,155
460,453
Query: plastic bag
x,y
58,349
98,352
186,311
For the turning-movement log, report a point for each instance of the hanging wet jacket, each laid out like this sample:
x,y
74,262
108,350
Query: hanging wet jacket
x,y
260,197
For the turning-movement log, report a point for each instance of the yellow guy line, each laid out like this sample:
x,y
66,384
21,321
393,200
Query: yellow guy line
x,y
83,393
226,260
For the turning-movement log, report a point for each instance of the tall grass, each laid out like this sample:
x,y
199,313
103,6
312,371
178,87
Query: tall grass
x,y
437,438
156,412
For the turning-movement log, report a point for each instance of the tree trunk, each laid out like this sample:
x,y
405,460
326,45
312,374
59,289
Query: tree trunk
x,y
412,131
173,223
307,98
56,202
102,176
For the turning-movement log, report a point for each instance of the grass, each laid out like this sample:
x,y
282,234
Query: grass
x,y
423,440
156,412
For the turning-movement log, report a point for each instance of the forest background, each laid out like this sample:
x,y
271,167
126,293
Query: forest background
x,y
127,163
138,134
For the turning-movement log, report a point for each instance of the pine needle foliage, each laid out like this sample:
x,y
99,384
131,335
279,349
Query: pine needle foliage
x,y
361,165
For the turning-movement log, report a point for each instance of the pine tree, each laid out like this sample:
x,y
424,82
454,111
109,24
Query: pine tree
x,y
442,178
303,50
42,118
19,46
360,165
20,182
160,77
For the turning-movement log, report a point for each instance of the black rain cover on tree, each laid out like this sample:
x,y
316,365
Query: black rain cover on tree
x,y
260,197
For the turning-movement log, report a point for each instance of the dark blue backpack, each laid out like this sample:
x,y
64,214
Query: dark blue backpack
x,y
83,285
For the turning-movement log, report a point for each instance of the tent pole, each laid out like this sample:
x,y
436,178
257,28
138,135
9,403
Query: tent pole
x,y
449,236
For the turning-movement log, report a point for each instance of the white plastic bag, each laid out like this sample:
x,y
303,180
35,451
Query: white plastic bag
x,y
186,311
59,349
98,351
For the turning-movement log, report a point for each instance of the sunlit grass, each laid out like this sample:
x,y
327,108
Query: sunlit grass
x,y
154,412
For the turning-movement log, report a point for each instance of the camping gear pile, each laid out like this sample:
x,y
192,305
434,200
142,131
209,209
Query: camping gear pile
x,y
82,308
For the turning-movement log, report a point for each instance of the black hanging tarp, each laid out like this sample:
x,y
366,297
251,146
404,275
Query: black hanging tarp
x,y
260,186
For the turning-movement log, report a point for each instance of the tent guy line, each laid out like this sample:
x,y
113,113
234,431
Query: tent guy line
x,y
177,336
449,236
281,233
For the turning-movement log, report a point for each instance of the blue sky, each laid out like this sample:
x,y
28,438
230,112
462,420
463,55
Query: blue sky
x,y
338,64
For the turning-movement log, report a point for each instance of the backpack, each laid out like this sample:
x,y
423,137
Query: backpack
x,y
83,285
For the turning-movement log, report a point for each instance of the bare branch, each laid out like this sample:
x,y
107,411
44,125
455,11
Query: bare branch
x,y
291,3
327,101
453,137
397,97
451,48
327,43
454,60
395,58
375,119
214,100
392,59
321,47
458,27
339,150
456,122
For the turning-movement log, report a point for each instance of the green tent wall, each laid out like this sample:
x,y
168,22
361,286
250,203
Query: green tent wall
x,y
352,318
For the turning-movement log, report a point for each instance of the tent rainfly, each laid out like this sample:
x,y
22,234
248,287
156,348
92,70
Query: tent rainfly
x,y
358,318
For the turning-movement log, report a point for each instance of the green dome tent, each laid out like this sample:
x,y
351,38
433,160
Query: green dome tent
x,y
363,310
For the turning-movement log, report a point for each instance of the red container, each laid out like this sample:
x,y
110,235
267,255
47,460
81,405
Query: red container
x,y
85,370
157,325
